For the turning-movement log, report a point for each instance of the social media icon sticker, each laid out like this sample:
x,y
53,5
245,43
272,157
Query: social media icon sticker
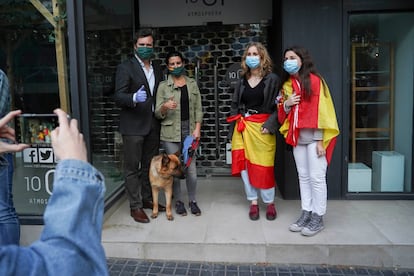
x,y
45,155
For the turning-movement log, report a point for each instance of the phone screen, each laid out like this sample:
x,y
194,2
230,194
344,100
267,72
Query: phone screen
x,y
35,128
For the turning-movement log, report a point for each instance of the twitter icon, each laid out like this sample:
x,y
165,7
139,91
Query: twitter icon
x,y
45,155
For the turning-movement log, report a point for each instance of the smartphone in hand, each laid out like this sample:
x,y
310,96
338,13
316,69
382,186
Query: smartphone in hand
x,y
34,129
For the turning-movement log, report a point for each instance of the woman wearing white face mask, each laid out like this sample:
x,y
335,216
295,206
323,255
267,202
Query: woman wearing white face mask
x,y
309,124
252,131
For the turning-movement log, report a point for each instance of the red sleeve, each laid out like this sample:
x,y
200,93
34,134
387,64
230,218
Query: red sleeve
x,y
281,114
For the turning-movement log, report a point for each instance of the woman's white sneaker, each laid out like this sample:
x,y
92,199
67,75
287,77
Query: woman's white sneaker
x,y
314,226
301,222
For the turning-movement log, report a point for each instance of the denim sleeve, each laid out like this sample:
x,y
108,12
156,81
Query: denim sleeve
x,y
70,243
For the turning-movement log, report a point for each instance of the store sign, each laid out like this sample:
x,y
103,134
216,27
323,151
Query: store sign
x,y
233,74
33,178
169,13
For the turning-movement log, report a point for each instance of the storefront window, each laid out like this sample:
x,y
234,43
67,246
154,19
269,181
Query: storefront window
x,y
109,34
381,103
33,55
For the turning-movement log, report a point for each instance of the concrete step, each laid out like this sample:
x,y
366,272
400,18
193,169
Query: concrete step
x,y
377,233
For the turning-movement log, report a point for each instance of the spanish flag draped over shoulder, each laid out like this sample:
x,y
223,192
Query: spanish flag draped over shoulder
x,y
317,112
253,150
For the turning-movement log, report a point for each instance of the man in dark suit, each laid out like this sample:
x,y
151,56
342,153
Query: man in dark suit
x,y
136,84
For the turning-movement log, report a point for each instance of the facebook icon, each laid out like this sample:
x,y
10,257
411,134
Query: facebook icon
x,y
30,155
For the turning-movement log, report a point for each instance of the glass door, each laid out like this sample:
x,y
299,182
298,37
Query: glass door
x,y
33,55
109,32
381,103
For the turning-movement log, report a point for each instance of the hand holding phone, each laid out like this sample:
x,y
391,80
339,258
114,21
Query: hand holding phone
x,y
35,129
6,132
67,141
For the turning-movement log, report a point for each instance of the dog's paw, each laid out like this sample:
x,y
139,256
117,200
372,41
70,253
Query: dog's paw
x,y
154,216
170,217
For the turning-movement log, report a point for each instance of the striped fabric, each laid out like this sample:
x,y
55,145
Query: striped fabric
x,y
253,151
317,112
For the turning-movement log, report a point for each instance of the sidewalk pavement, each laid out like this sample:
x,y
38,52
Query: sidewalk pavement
x,y
358,233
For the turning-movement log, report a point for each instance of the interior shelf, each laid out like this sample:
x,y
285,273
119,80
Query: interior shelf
x,y
372,98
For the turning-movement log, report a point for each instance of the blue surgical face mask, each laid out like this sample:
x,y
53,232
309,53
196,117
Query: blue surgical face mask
x,y
291,66
144,53
252,61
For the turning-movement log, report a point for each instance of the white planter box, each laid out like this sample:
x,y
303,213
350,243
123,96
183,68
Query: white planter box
x,y
387,171
359,177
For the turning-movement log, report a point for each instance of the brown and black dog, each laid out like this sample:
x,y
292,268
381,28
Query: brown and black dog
x,y
164,167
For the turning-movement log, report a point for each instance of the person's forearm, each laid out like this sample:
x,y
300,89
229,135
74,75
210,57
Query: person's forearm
x,y
71,239
73,218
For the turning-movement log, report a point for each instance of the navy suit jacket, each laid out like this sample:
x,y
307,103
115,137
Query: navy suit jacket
x,y
135,118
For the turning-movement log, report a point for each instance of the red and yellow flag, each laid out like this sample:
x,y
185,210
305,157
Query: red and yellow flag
x,y
316,112
253,150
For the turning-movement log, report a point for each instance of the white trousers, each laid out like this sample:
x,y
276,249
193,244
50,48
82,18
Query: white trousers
x,y
312,178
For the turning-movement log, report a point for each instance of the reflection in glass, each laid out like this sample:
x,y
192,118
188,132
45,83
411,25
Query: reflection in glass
x,y
108,43
381,102
33,55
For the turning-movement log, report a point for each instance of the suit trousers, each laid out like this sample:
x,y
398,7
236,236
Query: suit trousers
x,y
138,152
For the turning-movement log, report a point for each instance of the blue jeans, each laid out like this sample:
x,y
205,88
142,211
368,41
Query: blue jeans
x,y
268,195
70,243
191,172
9,221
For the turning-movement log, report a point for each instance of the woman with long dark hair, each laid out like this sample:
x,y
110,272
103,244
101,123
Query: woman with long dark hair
x,y
309,124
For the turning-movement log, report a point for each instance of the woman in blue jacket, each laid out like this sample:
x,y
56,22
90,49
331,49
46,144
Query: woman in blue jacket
x,y
70,243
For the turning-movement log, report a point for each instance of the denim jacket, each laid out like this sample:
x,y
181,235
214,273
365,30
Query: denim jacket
x,y
70,243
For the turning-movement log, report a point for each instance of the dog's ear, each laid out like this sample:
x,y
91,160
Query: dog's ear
x,y
178,153
165,159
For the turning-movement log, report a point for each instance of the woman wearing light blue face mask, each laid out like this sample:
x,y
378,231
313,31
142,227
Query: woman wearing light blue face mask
x,y
178,103
252,130
307,115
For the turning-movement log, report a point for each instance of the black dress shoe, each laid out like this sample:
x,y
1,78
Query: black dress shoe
x,y
139,216
148,205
